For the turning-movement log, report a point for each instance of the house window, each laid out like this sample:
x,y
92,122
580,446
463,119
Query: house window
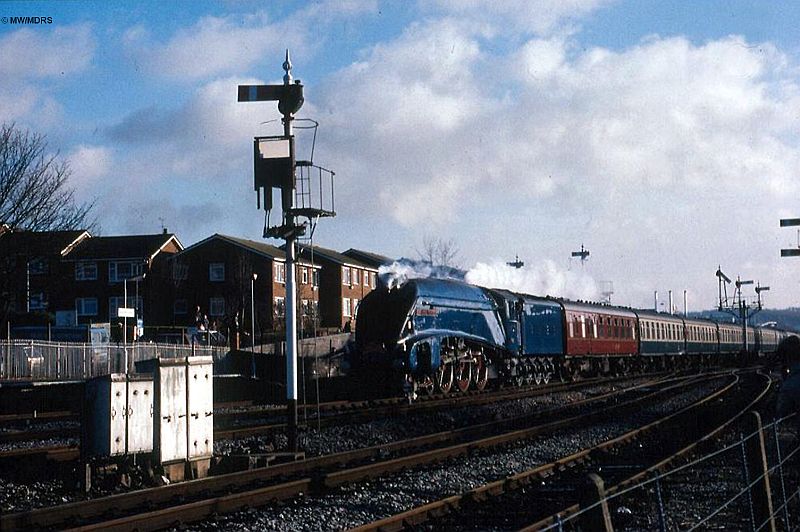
x,y
315,278
346,276
180,271
305,308
216,272
180,307
86,271
280,272
346,307
37,301
355,306
372,277
118,301
86,306
279,307
366,278
304,275
37,266
216,306
121,270
356,278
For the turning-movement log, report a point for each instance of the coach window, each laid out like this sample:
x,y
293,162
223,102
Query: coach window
x,y
571,331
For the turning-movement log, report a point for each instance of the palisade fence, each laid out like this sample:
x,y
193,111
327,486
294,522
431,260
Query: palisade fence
x,y
59,361
751,483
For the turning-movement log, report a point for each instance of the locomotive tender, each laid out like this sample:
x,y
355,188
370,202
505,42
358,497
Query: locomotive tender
x,y
432,335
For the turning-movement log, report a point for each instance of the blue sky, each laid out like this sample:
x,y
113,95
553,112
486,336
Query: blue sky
x,y
665,136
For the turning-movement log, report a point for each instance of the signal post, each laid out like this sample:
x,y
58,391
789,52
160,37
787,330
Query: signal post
x,y
275,167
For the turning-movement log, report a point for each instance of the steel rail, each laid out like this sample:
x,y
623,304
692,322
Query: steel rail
x,y
661,464
82,511
415,516
342,413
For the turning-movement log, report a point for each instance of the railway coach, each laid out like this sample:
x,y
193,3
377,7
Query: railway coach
x,y
598,339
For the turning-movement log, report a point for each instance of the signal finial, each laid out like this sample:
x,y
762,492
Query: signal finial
x,y
287,66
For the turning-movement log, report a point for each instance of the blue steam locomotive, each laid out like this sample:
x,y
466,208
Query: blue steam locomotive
x,y
440,335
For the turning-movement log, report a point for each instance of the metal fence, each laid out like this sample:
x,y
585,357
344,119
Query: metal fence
x,y
751,484
58,361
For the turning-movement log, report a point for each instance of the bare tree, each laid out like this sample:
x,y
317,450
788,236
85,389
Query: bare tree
x,y
439,252
34,190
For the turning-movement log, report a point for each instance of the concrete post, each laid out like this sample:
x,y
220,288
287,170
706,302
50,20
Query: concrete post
x,y
756,456
594,495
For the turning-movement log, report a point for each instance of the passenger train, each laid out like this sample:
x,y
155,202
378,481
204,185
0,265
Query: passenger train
x,y
441,335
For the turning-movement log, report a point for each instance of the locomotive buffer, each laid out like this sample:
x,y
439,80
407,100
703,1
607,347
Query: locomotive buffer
x,y
275,167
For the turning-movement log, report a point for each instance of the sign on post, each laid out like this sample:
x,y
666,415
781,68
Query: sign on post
x,y
123,312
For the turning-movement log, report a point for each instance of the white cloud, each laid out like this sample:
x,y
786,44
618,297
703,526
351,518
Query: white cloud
x,y
38,53
212,46
30,58
232,44
89,164
191,158
665,147
541,17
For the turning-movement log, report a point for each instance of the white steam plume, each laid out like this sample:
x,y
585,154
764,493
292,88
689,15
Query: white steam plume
x,y
397,273
541,280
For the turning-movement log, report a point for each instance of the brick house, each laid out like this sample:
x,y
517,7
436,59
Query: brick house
x,y
344,281
32,271
215,274
100,266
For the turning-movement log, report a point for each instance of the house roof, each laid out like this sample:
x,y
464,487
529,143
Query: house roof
x,y
367,257
123,247
259,248
333,256
40,242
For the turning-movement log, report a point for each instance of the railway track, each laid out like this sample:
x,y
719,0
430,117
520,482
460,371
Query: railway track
x,y
331,413
226,493
623,461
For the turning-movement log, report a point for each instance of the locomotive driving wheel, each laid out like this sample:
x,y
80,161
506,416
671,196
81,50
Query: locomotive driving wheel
x,y
481,373
463,375
444,378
